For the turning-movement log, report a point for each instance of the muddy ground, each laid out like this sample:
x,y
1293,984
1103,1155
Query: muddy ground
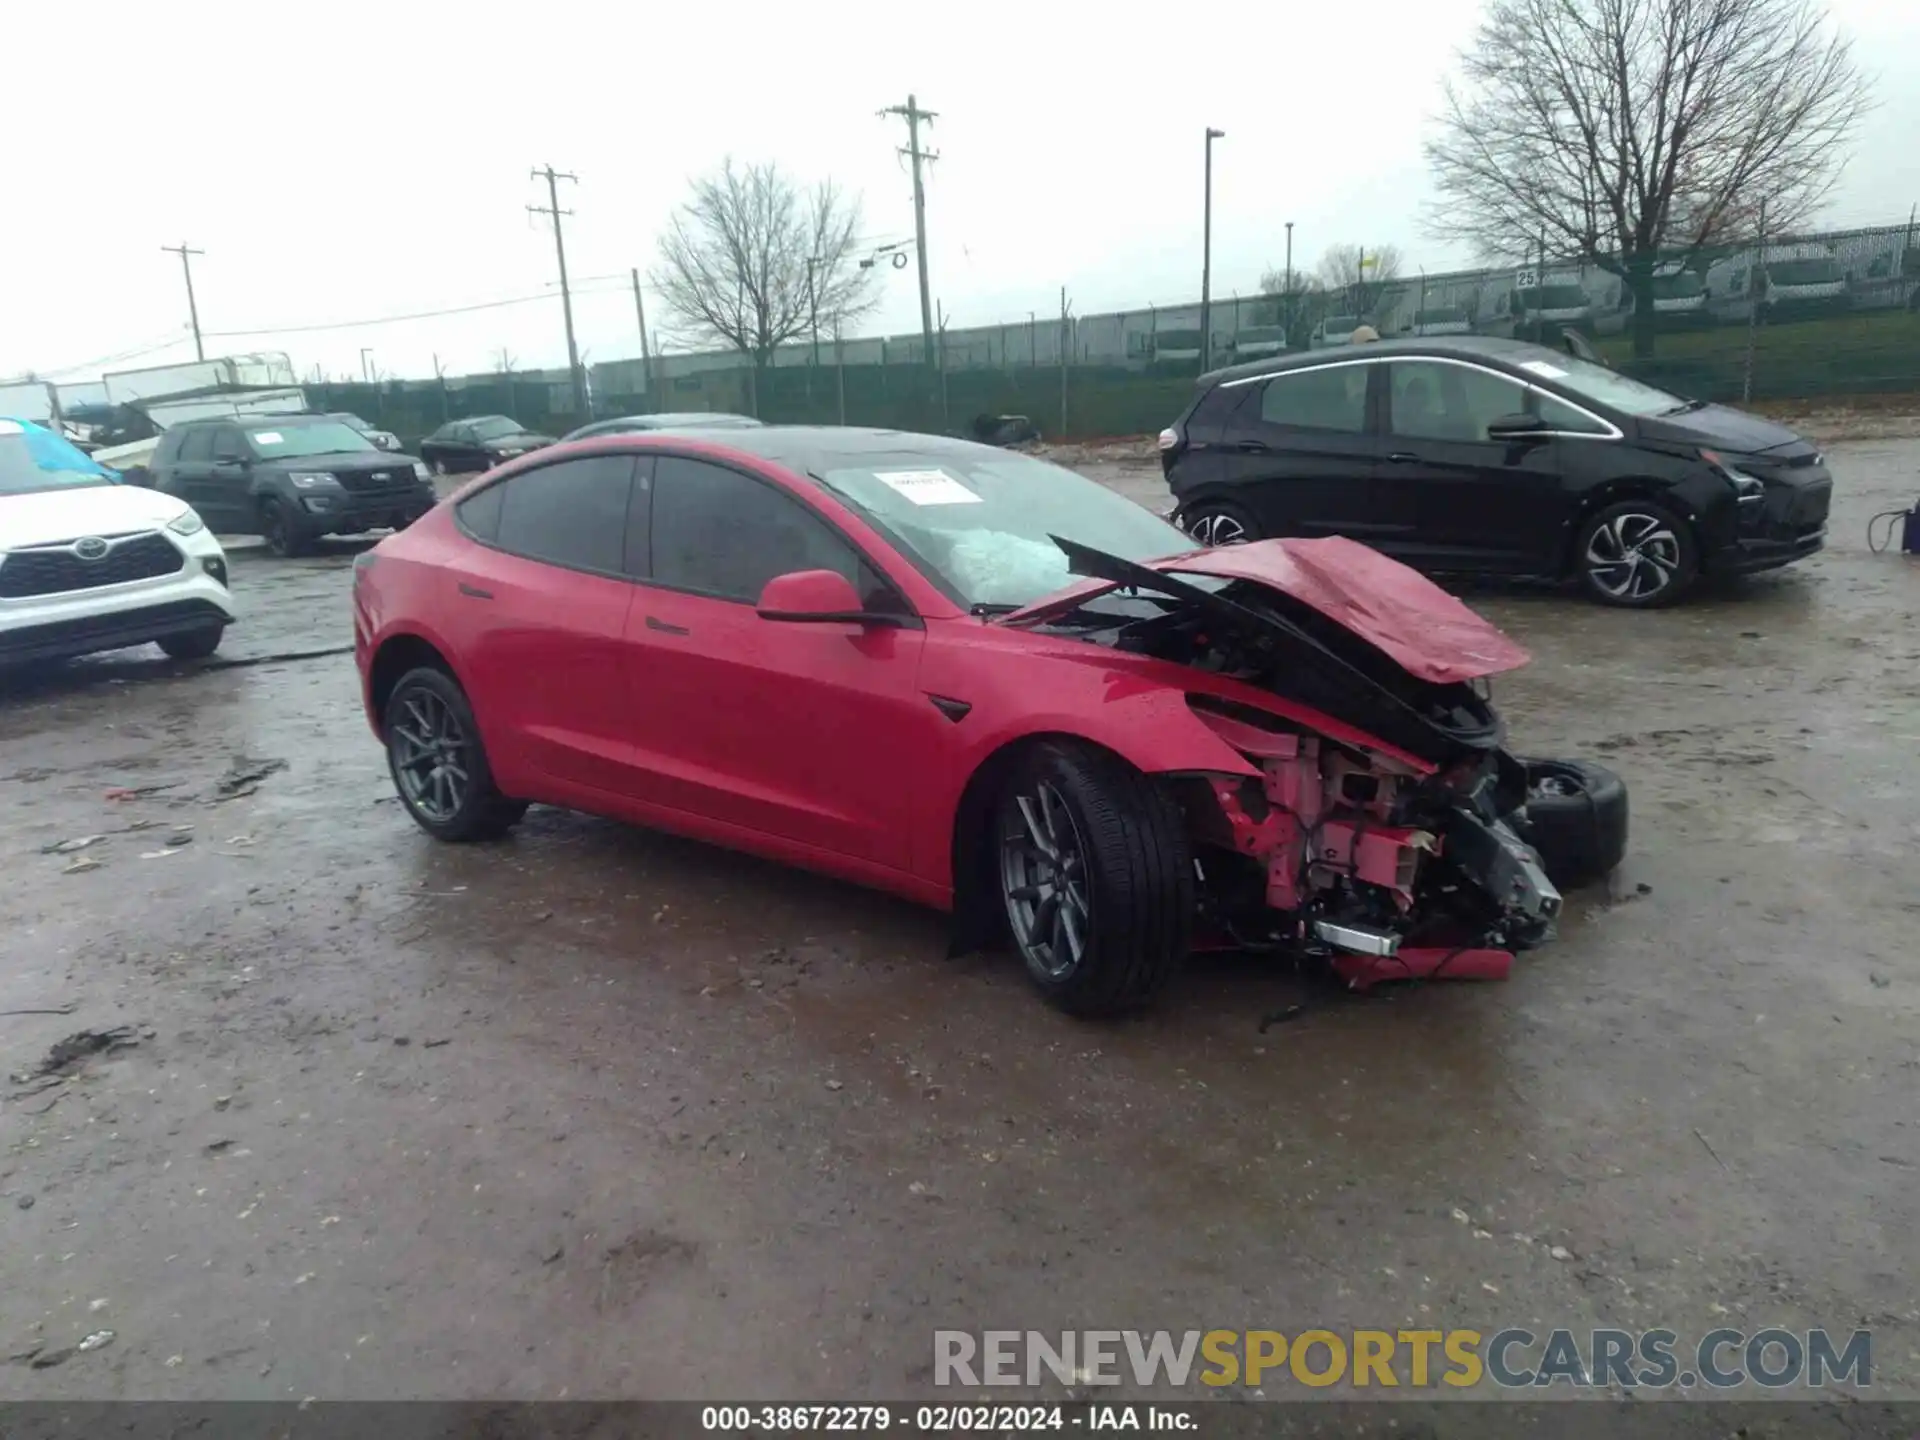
x,y
596,1112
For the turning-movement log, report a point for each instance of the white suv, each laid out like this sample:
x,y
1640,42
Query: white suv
x,y
89,564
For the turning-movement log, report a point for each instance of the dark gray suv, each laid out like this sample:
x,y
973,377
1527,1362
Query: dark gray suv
x,y
289,478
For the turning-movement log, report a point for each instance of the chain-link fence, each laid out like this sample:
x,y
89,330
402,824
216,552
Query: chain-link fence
x,y
1779,317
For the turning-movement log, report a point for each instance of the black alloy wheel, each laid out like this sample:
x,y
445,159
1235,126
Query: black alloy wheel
x,y
438,764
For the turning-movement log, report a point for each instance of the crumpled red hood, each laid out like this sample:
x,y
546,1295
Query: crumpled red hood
x,y
1427,632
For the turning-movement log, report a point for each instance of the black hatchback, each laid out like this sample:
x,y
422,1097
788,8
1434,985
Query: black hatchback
x,y
1471,455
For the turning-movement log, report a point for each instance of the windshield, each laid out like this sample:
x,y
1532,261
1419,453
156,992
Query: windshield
x,y
1683,286
315,437
354,420
981,524
35,459
492,427
1555,297
1823,271
1439,317
1598,383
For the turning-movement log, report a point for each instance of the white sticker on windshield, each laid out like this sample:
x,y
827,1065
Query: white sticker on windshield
x,y
268,437
1544,369
928,487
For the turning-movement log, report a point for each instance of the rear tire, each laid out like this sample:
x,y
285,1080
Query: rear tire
x,y
283,532
1219,522
438,763
1095,877
195,644
1636,554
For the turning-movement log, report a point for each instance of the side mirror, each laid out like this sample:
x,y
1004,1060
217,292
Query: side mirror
x,y
817,597
1515,427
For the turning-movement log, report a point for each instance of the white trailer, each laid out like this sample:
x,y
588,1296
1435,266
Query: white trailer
x,y
231,372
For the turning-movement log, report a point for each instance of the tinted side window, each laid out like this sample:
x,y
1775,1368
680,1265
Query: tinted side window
x,y
1435,401
1333,398
196,445
722,533
481,513
572,513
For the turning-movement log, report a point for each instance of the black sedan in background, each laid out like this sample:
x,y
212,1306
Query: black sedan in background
x,y
1495,457
478,444
686,420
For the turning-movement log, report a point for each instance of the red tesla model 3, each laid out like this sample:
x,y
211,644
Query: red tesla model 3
x,y
981,681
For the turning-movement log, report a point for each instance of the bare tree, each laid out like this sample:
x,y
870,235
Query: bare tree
x,y
1359,276
1295,302
751,261
1624,132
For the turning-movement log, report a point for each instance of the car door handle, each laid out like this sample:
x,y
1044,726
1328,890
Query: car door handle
x,y
1403,457
475,591
665,628
1254,447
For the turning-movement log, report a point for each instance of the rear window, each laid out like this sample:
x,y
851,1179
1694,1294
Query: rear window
x,y
1333,397
481,513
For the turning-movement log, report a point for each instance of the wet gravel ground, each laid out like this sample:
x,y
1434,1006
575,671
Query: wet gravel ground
x,y
595,1112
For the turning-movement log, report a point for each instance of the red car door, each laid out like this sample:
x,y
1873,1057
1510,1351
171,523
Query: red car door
x,y
813,733
540,615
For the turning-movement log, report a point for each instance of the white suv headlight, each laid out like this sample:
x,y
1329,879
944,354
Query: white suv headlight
x,y
307,481
420,470
187,524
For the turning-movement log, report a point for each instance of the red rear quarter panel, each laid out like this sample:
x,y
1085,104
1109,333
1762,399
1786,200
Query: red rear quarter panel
x,y
399,588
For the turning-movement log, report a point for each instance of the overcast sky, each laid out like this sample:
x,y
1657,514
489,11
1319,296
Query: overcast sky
x,y
352,161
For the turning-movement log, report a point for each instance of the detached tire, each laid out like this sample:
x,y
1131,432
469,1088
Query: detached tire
x,y
1576,817
438,764
1096,879
1219,522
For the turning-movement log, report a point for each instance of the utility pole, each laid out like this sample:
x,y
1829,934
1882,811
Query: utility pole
x,y
1206,258
1290,306
183,250
552,207
914,117
366,370
646,355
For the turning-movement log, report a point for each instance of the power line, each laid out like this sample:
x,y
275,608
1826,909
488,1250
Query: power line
x,y
183,250
173,338
396,319
552,209
915,117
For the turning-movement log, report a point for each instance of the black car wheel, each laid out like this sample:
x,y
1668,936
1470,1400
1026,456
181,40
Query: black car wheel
x,y
283,532
1219,522
1636,554
195,644
1575,816
1096,877
438,467
438,763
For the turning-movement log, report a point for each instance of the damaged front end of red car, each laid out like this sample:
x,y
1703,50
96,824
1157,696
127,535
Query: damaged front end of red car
x,y
1382,830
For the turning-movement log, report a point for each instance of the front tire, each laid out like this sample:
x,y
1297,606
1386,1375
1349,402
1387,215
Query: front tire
x,y
1219,522
1575,816
1636,554
283,532
438,764
1096,878
195,644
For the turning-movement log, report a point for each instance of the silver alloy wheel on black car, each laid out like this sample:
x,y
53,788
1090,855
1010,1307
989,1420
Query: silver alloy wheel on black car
x,y
1215,522
1635,554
